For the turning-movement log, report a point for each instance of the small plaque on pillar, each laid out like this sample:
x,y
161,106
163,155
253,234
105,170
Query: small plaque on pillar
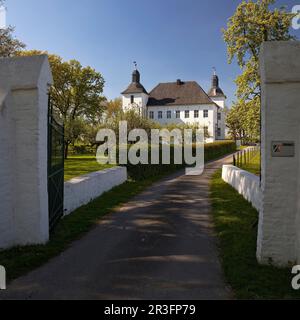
x,y
283,149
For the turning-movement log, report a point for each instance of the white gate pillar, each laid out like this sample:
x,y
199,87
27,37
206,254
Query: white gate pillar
x,y
279,222
24,83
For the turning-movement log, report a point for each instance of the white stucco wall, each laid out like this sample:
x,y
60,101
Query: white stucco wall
x,y
220,101
246,183
209,122
6,172
140,101
82,190
279,223
24,83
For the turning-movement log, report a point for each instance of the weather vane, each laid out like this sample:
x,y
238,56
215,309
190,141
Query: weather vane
x,y
215,70
135,64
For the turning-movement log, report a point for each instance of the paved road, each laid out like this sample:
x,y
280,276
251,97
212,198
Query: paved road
x,y
158,246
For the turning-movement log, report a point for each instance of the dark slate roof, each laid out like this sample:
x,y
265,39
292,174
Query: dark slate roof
x,y
135,87
173,94
216,92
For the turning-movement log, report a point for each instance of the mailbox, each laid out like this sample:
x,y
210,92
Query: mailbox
x,y
283,149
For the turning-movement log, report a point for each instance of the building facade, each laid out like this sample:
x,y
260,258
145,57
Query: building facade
x,y
180,102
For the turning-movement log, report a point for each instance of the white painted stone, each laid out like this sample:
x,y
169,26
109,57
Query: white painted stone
x,y
82,190
24,83
246,183
279,223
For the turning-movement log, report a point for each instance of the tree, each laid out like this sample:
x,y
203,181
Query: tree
x,y
90,133
9,45
76,95
251,25
243,121
74,129
113,108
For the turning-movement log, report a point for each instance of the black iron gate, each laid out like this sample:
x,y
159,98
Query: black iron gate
x,y
55,168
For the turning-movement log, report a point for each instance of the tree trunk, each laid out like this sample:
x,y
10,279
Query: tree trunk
x,y
66,150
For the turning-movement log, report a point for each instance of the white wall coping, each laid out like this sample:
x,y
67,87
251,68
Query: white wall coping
x,y
247,184
91,175
81,190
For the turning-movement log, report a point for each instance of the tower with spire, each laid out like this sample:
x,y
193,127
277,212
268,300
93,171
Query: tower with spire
x,y
216,93
135,97
179,102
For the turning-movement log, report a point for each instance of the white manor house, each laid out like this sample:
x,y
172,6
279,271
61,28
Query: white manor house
x,y
180,102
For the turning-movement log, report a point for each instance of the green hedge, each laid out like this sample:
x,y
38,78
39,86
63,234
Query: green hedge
x,y
81,150
218,149
212,151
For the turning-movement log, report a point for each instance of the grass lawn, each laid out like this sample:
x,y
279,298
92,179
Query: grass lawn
x,y
253,166
76,166
236,227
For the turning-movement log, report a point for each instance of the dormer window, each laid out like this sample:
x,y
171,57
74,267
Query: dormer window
x,y
132,99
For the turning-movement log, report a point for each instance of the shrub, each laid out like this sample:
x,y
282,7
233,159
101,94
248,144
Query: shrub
x,y
82,150
212,151
218,149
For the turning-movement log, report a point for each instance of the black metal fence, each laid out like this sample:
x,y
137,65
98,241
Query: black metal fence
x,y
55,168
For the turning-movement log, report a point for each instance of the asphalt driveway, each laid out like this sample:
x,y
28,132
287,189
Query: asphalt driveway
x,y
161,245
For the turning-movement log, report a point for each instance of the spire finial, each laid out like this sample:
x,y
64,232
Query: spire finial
x,y
135,64
215,71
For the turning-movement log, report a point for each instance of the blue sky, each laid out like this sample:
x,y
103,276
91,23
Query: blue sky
x,y
169,39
